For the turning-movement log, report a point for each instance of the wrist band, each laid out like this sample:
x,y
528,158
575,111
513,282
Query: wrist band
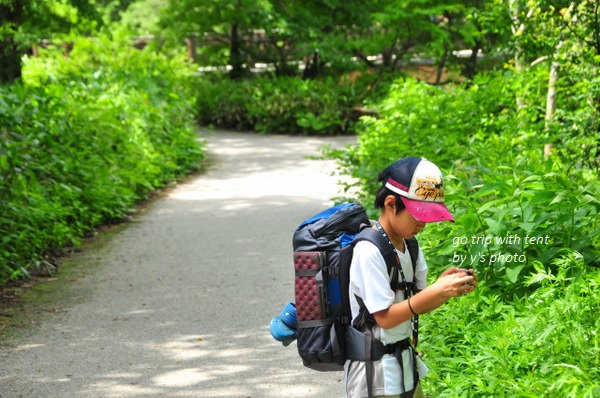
x,y
411,308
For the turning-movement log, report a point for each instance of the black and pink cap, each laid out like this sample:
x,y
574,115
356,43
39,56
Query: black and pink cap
x,y
421,187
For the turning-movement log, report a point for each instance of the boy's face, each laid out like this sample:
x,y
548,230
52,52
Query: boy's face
x,y
406,226
403,224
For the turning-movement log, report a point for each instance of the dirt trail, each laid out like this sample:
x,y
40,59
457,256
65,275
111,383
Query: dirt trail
x,y
178,303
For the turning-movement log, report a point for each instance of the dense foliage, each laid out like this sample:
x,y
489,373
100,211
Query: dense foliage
x,y
532,324
380,34
24,23
520,151
283,104
511,117
545,345
82,139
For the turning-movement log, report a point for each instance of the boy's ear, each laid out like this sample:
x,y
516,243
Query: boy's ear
x,y
390,202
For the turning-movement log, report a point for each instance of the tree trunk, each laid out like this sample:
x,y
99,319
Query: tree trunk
x,y
551,97
517,30
10,61
386,57
235,53
472,61
11,16
192,45
282,68
312,65
551,103
441,66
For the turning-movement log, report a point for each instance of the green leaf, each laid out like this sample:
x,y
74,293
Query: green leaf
x,y
496,227
513,272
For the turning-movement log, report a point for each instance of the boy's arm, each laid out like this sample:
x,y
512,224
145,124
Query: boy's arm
x,y
453,282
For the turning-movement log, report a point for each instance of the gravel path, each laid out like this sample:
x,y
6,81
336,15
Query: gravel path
x,y
179,301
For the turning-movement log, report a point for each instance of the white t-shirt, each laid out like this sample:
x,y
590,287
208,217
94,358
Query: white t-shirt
x,y
369,280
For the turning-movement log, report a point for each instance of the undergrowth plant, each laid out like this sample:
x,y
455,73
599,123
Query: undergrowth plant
x,y
82,139
545,345
287,105
498,183
526,221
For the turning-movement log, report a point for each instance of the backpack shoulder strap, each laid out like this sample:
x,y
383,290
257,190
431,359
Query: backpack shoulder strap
x,y
387,251
413,250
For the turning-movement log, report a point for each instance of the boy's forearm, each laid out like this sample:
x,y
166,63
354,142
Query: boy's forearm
x,y
423,302
429,299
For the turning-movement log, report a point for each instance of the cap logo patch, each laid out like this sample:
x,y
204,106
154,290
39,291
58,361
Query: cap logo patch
x,y
429,188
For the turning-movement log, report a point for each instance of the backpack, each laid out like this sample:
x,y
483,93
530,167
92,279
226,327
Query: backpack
x,y
323,247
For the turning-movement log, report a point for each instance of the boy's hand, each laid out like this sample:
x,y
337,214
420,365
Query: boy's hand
x,y
458,281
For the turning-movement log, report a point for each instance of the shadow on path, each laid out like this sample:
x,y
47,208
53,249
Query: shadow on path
x,y
180,301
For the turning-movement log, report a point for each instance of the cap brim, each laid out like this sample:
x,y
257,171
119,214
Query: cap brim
x,y
427,211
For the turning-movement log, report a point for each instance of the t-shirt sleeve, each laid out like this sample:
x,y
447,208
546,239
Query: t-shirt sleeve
x,y
369,279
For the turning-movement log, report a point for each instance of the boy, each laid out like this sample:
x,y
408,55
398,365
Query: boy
x,y
411,195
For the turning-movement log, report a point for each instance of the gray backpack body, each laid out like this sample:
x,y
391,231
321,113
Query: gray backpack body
x,y
323,247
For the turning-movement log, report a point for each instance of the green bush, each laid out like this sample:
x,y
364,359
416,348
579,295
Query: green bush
x,y
543,346
530,329
287,105
85,137
496,176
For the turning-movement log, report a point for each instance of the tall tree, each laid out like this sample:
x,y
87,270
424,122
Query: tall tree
x,y
268,31
323,31
478,26
398,28
223,26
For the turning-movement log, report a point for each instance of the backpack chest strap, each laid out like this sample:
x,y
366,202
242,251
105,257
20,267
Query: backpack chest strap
x,y
403,285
